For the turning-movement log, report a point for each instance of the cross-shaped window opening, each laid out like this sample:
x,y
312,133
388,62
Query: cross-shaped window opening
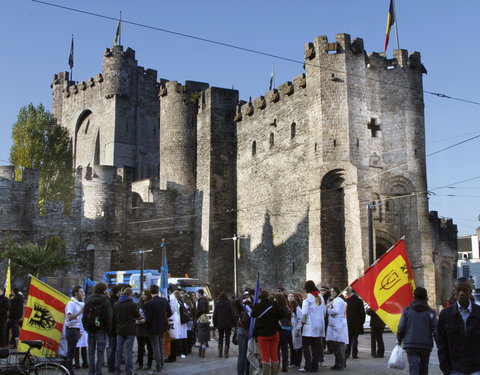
x,y
372,125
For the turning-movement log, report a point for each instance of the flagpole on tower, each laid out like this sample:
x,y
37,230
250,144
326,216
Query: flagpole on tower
x,y
118,34
396,23
70,60
120,29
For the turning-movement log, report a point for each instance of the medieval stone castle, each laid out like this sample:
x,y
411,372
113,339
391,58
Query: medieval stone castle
x,y
290,172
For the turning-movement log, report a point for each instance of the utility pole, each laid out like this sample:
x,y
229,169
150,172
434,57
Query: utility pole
x,y
371,257
235,256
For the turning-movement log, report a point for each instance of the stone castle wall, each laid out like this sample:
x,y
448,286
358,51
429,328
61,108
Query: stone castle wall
x,y
289,172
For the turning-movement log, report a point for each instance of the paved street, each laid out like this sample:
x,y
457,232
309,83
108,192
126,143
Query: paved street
x,y
212,365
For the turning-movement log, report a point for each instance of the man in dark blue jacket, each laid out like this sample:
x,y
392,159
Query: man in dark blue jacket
x,y
157,312
125,316
416,330
98,329
459,333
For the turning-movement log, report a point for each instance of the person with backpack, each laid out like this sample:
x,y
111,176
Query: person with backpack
x,y
125,317
97,322
416,331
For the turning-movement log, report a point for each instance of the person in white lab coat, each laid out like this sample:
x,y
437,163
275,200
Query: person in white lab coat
x,y
337,332
313,326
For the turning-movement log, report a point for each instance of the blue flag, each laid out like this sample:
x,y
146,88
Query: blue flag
x,y
255,301
164,273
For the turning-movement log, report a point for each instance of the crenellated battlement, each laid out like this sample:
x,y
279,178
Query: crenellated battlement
x,y
61,79
73,89
321,48
7,172
118,53
285,90
29,176
102,173
174,87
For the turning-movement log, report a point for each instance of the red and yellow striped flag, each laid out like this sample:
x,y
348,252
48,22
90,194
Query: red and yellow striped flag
x,y
390,23
387,286
44,317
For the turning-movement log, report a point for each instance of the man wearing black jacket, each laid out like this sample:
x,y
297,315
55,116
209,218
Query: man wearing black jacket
x,y
112,335
15,313
157,312
4,307
97,334
355,321
201,304
459,333
125,316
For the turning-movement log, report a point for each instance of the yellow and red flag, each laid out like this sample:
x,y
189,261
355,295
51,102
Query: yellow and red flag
x,y
44,317
390,23
8,280
388,285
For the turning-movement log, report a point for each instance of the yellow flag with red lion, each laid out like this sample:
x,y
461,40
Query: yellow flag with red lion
x,y
388,285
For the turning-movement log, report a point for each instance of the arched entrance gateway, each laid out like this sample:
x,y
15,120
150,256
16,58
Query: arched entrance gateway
x,y
332,222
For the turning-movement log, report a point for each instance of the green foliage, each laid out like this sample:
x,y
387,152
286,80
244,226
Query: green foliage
x,y
37,260
40,143
195,96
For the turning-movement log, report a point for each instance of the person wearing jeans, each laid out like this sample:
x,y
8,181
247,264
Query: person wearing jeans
x,y
98,328
125,317
112,334
97,341
243,309
416,330
157,311
73,323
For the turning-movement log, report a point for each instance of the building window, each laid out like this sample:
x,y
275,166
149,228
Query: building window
x,y
254,148
293,130
466,271
272,140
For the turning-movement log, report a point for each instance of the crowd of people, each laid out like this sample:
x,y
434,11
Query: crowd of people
x,y
292,330
11,312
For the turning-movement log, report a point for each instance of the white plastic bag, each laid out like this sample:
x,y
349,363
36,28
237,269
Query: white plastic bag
x,y
397,359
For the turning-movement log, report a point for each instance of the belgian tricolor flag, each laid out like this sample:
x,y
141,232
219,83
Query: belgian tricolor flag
x,y
390,23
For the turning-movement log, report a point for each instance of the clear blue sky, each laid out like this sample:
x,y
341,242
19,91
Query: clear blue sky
x,y
35,41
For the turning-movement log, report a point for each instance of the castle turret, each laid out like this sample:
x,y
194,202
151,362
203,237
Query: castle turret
x,y
104,197
178,120
119,70
59,86
103,220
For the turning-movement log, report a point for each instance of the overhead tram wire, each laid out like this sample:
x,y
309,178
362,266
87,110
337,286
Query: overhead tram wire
x,y
250,50
347,187
268,55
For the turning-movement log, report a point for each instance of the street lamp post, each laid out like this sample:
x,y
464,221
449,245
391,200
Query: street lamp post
x,y
142,265
235,256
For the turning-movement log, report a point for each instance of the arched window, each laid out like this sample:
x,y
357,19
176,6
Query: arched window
x,y
272,140
293,130
254,148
